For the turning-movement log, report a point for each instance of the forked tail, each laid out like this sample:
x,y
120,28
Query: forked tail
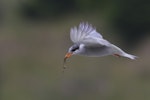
x,y
119,52
130,56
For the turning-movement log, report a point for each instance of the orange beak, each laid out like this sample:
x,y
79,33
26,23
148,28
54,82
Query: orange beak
x,y
69,54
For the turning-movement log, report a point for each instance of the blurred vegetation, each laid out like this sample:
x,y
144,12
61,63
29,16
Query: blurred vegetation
x,y
34,36
131,17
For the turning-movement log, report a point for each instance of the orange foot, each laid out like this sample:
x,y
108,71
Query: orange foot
x,y
117,55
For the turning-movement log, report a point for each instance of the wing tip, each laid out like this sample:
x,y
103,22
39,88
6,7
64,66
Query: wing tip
x,y
131,56
86,27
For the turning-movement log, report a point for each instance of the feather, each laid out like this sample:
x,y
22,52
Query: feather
x,y
85,33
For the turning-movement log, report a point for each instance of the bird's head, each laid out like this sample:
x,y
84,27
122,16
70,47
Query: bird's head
x,y
73,50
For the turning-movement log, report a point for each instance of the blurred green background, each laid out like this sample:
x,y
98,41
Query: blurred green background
x,y
34,37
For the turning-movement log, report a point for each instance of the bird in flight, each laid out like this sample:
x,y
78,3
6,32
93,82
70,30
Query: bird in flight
x,y
88,42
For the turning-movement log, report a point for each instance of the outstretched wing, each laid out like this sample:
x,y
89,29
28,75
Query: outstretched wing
x,y
86,34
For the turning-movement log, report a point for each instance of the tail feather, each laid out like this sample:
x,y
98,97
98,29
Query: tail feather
x,y
119,52
130,56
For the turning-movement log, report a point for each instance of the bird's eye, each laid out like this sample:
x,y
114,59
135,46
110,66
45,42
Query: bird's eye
x,y
75,48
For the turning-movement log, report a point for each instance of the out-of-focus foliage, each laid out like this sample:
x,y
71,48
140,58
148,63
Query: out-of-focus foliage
x,y
34,37
130,17
133,19
46,8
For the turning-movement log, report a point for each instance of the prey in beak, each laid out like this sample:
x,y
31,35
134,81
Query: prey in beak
x,y
68,55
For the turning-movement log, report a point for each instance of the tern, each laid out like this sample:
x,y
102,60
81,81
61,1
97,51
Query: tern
x,y
88,42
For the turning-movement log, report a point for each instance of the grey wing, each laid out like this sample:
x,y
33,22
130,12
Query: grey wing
x,y
86,34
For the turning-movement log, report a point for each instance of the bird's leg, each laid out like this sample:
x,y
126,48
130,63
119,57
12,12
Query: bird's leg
x,y
117,55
